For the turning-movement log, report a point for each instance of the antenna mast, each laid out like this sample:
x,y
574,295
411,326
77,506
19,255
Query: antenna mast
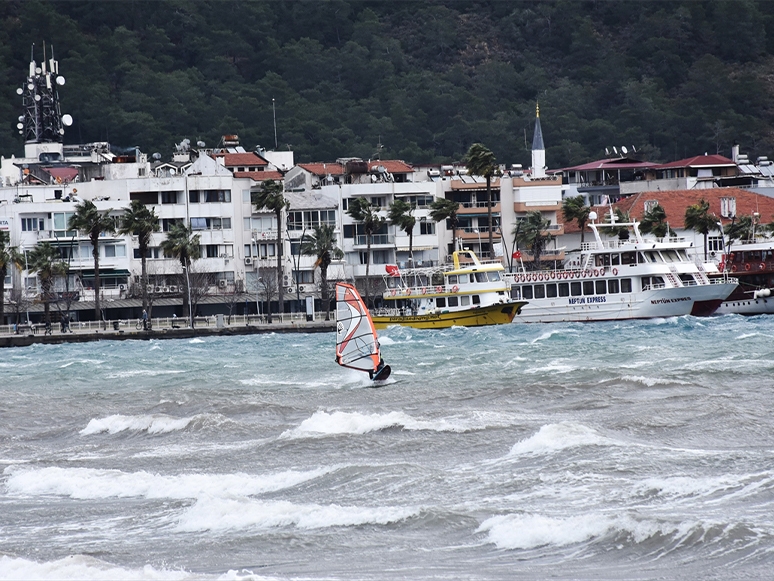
x,y
274,113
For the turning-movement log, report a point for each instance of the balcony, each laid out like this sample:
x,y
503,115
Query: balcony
x,y
540,205
478,208
469,233
376,240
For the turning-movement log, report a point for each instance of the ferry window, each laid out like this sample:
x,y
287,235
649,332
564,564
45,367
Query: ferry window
x,y
452,279
653,256
540,291
551,290
600,286
626,285
515,293
564,289
526,292
453,301
641,258
688,279
494,276
612,286
476,300
575,289
440,302
465,301
628,258
480,277
615,259
588,287
463,278
670,256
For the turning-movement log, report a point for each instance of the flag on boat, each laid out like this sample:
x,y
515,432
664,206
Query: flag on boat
x,y
517,255
392,269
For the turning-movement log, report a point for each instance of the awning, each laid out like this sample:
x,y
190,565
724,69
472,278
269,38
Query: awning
x,y
415,248
103,272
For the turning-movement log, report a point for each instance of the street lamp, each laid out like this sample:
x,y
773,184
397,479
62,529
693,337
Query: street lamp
x,y
190,306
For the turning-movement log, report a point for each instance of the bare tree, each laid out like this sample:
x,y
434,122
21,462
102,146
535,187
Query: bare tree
x,y
232,297
267,287
19,303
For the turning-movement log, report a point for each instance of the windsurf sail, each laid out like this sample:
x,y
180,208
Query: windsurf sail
x,y
356,344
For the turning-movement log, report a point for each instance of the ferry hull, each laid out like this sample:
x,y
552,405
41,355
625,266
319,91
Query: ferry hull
x,y
747,306
499,314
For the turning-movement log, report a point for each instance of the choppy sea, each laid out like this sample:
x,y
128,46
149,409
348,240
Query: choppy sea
x,y
637,450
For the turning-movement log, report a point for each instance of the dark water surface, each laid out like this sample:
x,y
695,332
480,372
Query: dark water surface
x,y
638,450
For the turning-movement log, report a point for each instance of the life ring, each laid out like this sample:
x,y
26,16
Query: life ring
x,y
438,289
747,266
529,278
543,276
455,288
596,272
615,271
733,268
424,290
408,291
762,266
393,292
602,271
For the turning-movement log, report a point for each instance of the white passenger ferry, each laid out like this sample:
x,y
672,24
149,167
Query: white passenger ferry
x,y
617,279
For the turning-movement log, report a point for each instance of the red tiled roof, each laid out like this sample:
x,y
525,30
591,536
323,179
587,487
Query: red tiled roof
x,y
323,169
242,159
391,165
675,202
260,176
698,161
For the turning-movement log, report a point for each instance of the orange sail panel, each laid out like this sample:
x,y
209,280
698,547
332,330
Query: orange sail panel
x,y
356,343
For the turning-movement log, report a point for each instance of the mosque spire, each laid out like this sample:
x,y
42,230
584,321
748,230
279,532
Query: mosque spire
x,y
538,148
537,139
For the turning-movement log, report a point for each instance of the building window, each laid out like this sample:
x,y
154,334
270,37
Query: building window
x,y
715,243
32,224
728,207
303,277
212,250
427,227
167,223
169,197
650,204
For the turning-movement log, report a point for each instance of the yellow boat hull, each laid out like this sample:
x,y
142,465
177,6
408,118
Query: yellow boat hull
x,y
498,314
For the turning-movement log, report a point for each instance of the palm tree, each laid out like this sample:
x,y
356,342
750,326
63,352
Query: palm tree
x,y
141,221
9,256
91,222
621,231
699,219
530,234
363,212
46,261
322,244
271,197
181,243
575,208
444,209
401,215
654,222
741,229
480,161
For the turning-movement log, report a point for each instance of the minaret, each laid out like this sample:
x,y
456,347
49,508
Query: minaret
x,y
538,149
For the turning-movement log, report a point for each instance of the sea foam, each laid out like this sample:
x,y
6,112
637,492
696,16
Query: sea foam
x,y
555,437
153,424
88,483
220,514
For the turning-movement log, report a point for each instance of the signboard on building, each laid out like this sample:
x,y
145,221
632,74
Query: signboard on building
x,y
5,224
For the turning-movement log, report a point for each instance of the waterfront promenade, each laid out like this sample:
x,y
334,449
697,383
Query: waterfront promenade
x,y
162,328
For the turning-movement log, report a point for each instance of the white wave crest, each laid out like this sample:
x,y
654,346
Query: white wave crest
x,y
220,514
82,567
653,381
531,531
153,424
554,437
87,483
326,424
686,486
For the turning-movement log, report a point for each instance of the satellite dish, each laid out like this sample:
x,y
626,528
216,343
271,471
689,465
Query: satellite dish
x,y
20,126
30,86
67,120
19,91
61,131
21,117
172,171
38,70
634,149
60,80
37,97
592,216
200,144
607,151
157,155
623,148
615,150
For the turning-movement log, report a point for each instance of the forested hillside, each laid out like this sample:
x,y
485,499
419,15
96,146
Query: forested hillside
x,y
425,79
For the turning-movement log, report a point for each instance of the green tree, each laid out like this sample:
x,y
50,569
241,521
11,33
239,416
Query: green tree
x,y
9,257
181,243
46,261
740,229
654,221
271,197
480,161
91,222
621,217
575,208
141,221
402,215
532,233
322,244
444,209
361,210
699,219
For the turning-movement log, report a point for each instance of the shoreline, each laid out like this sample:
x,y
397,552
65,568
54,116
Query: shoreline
x,y
87,336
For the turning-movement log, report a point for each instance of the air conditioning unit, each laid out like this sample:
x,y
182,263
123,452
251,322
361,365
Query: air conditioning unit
x,y
158,289
122,287
248,261
149,288
288,289
301,288
222,283
165,289
172,289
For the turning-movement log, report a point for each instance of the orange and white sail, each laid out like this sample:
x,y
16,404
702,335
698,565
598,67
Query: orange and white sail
x,y
356,343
